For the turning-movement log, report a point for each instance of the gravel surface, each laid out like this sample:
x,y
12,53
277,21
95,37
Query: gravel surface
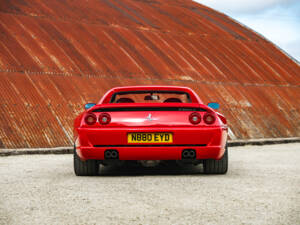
x,y
261,187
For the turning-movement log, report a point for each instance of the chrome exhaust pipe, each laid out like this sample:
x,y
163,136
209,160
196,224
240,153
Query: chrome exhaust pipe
x,y
114,154
111,154
107,154
188,154
185,154
192,154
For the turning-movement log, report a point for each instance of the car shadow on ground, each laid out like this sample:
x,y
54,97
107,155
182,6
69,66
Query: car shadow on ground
x,y
139,170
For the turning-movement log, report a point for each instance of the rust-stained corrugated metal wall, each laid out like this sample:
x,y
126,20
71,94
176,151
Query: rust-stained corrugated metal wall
x,y
57,55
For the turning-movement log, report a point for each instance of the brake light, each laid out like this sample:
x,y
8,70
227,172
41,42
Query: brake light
x,y
195,118
104,118
209,118
90,119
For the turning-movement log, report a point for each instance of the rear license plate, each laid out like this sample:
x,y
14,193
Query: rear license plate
x,y
150,138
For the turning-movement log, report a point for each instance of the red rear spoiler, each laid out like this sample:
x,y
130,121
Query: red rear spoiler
x,y
149,107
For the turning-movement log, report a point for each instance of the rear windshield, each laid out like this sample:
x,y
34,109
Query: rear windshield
x,y
151,97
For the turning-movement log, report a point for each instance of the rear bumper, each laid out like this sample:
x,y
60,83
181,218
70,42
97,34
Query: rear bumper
x,y
151,153
208,142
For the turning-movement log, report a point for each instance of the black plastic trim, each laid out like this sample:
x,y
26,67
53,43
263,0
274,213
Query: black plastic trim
x,y
117,146
141,109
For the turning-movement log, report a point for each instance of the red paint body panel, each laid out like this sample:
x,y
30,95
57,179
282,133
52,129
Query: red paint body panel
x,y
207,140
153,153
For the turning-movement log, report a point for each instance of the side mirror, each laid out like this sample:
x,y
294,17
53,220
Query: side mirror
x,y
89,105
213,105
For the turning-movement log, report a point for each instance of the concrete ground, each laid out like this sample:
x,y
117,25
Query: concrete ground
x,y
262,186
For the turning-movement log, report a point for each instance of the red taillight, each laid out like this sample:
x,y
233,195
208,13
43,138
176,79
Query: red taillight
x,y
90,119
209,118
195,118
104,118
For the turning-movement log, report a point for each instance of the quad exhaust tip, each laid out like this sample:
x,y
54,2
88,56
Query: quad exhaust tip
x,y
114,154
188,154
111,154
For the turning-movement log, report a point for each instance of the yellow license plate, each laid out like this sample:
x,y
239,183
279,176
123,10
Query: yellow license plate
x,y
150,138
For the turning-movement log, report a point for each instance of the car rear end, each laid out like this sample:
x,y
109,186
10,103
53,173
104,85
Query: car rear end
x,y
179,131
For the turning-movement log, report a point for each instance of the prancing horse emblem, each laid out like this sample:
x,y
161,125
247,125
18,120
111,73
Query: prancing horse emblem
x,y
149,117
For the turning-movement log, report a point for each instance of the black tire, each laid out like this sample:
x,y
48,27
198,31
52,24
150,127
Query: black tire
x,y
85,168
212,166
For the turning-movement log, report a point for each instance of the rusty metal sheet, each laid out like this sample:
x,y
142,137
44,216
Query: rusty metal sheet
x,y
57,55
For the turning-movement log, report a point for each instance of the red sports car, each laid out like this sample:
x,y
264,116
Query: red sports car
x,y
150,125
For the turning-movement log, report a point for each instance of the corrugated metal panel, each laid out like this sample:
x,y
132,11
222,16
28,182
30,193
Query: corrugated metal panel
x,y
57,55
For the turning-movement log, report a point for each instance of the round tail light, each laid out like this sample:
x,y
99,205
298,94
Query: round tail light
x,y
195,118
209,118
104,118
90,119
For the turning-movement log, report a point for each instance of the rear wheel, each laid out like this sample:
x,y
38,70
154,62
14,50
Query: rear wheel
x,y
85,168
212,166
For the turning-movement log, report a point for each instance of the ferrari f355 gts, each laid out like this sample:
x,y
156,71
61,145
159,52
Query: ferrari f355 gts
x,y
150,125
